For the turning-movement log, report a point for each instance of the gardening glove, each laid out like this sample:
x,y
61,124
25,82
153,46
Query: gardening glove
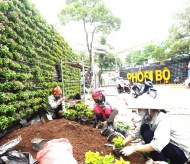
x,y
126,151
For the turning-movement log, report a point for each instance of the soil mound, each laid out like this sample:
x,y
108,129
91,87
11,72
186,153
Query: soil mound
x,y
82,137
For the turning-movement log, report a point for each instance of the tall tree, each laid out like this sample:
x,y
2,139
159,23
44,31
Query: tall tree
x,y
106,60
132,57
95,18
179,33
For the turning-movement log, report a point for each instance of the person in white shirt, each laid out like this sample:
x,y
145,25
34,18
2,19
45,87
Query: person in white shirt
x,y
162,139
56,105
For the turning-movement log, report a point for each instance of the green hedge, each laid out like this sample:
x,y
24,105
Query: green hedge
x,y
29,50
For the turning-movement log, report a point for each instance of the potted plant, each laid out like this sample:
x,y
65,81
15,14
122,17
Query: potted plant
x,y
87,116
70,114
118,145
88,113
80,114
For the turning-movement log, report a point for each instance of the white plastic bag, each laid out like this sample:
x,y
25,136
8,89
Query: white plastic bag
x,y
122,122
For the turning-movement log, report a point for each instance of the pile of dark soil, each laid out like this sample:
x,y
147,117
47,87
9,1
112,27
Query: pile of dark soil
x,y
82,137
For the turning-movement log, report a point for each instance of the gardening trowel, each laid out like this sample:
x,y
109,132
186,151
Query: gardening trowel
x,y
109,145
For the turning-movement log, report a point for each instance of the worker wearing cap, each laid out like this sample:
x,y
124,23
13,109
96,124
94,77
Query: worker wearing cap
x,y
162,139
56,104
103,110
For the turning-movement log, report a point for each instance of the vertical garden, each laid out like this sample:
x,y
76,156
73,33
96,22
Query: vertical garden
x,y
31,51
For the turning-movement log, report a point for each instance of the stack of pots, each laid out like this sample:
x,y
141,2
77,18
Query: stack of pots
x,y
110,133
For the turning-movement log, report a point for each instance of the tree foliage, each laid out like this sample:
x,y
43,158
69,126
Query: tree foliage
x,y
156,52
179,33
178,41
106,60
95,17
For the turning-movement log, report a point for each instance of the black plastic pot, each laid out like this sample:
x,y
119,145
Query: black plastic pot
x,y
73,119
99,126
104,130
91,122
14,126
118,153
109,131
112,136
83,121
123,132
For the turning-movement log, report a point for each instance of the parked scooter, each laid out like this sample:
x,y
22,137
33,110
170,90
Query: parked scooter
x,y
125,89
147,87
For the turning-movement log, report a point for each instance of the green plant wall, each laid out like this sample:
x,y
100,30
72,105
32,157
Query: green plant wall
x,y
29,50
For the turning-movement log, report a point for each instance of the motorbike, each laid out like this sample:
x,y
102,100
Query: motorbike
x,y
148,89
127,89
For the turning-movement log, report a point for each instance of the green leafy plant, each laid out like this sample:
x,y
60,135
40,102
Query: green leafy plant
x,y
66,114
70,113
80,106
23,95
5,121
8,74
4,50
12,15
17,85
29,49
118,142
3,6
88,113
22,76
121,161
80,114
96,158
7,86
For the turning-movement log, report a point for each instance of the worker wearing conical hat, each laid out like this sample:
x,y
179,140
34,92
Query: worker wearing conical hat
x,y
162,139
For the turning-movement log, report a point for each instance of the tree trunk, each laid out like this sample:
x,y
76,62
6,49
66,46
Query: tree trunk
x,y
89,43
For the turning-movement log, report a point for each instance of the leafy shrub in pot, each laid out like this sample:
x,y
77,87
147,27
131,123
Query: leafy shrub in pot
x,y
118,145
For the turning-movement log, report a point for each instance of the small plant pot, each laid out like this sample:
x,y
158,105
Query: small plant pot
x,y
91,122
118,153
112,136
110,131
104,130
72,118
83,121
99,125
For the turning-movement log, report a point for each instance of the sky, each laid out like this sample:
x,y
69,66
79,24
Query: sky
x,y
142,21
